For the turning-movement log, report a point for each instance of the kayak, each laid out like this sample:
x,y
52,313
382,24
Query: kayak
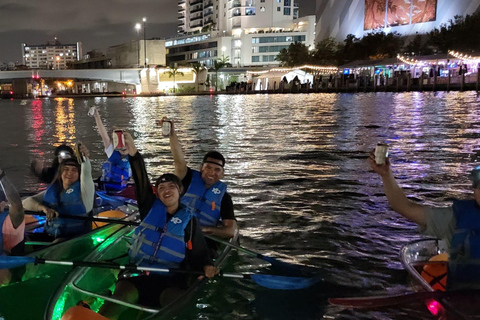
x,y
96,285
426,261
31,286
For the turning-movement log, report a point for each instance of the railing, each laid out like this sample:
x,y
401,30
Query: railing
x,y
196,10
196,18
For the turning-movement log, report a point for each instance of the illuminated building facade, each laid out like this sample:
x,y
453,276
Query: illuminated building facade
x,y
248,32
53,55
339,18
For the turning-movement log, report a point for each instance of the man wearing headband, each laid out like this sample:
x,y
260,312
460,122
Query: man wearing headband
x,y
205,193
116,171
11,218
168,237
47,174
458,225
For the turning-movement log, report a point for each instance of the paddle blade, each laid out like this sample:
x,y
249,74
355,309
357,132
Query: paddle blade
x,y
9,262
290,269
283,283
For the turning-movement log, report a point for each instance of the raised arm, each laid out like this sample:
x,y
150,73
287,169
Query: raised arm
x,y
16,209
143,188
86,180
178,157
101,130
395,195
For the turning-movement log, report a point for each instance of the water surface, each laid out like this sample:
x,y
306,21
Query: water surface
x,y
296,169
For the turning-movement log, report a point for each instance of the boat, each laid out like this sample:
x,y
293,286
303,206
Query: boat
x,y
426,261
32,285
96,285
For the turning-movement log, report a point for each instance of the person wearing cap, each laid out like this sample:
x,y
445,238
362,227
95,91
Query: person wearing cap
x,y
11,218
72,192
168,237
116,171
458,225
204,192
47,174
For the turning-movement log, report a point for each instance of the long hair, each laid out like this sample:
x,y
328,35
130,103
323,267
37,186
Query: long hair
x,y
66,162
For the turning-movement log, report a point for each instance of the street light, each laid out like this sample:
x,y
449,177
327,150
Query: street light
x,y
138,26
144,43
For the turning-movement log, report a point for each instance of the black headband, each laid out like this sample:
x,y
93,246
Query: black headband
x,y
218,164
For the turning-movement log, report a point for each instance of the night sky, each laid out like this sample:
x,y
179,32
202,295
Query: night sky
x,y
98,24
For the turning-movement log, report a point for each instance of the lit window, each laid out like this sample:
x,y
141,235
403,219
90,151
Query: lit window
x,y
262,9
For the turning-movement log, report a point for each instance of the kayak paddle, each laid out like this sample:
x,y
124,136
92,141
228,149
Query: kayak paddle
x,y
395,300
279,265
264,280
99,219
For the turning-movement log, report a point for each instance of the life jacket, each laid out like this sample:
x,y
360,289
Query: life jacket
x,y
115,171
158,242
205,203
464,264
66,202
3,216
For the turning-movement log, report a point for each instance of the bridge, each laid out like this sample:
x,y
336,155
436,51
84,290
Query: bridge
x,y
130,76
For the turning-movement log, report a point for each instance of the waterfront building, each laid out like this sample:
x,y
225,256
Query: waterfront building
x,y
248,32
339,18
126,55
52,55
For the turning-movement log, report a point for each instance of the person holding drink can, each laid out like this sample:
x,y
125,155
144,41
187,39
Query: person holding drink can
x,y
116,171
458,224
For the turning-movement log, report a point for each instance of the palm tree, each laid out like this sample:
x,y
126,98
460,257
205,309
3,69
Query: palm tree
x,y
197,69
219,64
172,73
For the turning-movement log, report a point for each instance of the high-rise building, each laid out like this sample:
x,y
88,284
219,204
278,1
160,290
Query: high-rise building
x,y
248,32
52,55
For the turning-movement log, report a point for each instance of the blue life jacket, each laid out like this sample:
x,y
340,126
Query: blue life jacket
x,y
115,171
66,202
3,216
205,203
158,242
464,263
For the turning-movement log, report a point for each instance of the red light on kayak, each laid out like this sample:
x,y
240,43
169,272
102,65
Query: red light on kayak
x,y
434,307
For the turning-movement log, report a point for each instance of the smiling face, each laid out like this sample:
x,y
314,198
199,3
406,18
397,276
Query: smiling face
x,y
69,175
168,193
212,171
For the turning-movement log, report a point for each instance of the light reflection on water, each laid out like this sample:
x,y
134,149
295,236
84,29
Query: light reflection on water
x,y
297,172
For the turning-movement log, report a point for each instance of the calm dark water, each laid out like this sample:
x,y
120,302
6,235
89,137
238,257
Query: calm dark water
x,y
297,171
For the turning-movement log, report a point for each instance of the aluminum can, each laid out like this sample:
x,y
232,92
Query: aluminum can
x,y
381,153
118,140
91,111
166,127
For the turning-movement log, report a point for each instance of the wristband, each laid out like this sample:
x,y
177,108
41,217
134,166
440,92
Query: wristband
x,y
2,174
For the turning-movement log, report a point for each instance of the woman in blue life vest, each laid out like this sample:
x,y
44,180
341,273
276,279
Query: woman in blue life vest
x,y
169,236
71,193
458,225
116,171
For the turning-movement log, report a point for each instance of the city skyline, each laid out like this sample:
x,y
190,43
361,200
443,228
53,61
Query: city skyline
x,y
97,24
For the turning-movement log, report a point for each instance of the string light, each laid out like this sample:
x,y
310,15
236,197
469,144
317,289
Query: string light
x,y
406,60
461,56
327,69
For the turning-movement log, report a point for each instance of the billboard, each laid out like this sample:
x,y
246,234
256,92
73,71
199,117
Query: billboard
x,y
391,13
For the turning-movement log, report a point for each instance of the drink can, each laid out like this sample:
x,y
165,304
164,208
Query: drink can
x,y
166,127
91,111
381,153
118,140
